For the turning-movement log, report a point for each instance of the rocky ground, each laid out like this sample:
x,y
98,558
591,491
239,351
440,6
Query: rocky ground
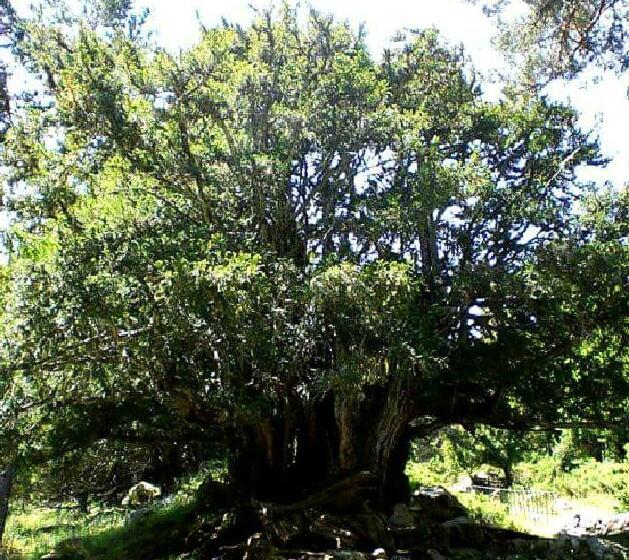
x,y
433,526
583,523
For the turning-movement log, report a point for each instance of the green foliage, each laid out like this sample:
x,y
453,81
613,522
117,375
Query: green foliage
x,y
102,534
454,450
209,241
588,481
559,39
34,531
554,475
428,474
597,493
565,452
488,509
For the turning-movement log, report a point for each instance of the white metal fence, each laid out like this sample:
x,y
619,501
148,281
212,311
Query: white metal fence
x,y
530,503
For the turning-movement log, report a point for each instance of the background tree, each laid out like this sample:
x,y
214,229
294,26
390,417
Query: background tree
x,y
7,472
7,22
559,38
455,450
279,248
498,448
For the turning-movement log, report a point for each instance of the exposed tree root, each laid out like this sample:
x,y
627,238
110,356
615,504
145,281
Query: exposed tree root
x,y
340,523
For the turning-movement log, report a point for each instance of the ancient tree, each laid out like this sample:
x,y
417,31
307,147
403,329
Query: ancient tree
x,y
296,254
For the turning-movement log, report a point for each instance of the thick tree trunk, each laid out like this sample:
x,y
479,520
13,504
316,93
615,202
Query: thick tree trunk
x,y
344,437
6,484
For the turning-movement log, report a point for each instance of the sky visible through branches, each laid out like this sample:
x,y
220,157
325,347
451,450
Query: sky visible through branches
x,y
599,97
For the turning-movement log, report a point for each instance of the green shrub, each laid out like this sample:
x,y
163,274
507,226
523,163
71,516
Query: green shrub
x,y
487,509
431,473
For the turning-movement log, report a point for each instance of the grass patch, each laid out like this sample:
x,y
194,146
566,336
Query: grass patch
x,y
34,531
487,509
100,535
158,534
592,489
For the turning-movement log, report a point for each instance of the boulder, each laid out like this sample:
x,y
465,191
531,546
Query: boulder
x,y
137,515
401,516
334,530
371,531
436,505
142,493
259,548
462,532
463,484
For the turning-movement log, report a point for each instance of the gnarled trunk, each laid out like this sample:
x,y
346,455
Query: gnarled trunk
x,y
308,448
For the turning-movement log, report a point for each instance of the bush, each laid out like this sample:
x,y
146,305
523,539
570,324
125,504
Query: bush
x,y
487,509
429,474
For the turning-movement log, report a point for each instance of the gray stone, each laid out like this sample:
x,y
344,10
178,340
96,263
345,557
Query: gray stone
x,y
141,493
137,515
349,555
436,504
401,516
435,555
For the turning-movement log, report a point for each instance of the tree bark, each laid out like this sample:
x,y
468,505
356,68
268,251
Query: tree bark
x,y
304,451
508,470
6,485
